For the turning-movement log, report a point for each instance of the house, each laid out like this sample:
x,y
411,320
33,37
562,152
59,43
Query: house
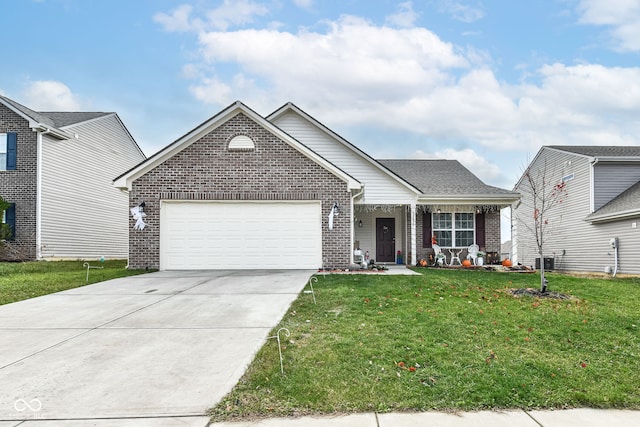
x,y
56,171
601,203
284,191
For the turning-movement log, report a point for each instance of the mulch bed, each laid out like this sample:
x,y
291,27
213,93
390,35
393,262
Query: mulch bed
x,y
535,293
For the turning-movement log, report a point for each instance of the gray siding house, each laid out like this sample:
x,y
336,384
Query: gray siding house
x,y
284,191
602,203
57,170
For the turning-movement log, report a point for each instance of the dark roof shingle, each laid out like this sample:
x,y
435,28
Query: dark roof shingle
x,y
55,119
600,150
441,177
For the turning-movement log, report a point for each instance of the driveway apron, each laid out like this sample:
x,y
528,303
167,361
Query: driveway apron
x,y
165,344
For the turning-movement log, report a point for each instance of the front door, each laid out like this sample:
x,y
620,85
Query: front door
x,y
385,239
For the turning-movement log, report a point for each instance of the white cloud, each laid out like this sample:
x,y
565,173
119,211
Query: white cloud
x,y
621,16
461,12
304,4
50,95
179,20
336,66
229,13
405,17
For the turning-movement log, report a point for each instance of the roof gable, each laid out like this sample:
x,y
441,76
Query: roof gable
x,y
292,108
125,180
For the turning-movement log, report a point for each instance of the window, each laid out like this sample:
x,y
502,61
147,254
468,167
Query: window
x,y
454,230
9,218
241,143
8,151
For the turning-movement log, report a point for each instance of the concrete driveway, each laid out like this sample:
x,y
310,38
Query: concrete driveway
x,y
166,344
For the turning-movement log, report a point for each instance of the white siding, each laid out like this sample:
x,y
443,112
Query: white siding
x,y
380,188
575,244
82,214
366,236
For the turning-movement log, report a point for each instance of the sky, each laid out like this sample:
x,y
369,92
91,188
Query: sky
x,y
484,82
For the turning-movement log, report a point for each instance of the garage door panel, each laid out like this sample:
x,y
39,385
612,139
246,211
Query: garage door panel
x,y
222,235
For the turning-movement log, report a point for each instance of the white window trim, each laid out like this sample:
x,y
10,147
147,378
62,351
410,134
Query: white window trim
x,y
453,227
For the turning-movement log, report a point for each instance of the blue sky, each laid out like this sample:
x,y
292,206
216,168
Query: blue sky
x,y
485,82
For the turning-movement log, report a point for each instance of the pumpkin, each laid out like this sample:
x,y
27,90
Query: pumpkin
x,y
423,263
506,263
466,263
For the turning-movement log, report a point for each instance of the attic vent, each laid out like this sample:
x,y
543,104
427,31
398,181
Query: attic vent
x,y
241,143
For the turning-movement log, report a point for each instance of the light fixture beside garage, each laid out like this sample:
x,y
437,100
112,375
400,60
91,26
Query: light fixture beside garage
x,y
335,211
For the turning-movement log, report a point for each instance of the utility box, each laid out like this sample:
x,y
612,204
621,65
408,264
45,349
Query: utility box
x,y
548,264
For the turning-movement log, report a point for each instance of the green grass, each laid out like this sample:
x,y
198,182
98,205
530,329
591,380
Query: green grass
x,y
20,281
472,344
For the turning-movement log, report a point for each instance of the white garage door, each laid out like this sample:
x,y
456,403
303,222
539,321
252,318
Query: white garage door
x,y
241,235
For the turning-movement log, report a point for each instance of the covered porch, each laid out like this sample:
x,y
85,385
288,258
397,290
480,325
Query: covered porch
x,y
404,233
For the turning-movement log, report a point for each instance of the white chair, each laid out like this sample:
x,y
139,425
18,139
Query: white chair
x,y
439,257
358,258
473,253
455,257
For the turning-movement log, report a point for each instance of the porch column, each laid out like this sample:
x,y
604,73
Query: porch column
x,y
413,235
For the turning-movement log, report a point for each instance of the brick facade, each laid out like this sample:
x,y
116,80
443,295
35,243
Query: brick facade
x,y
20,186
208,170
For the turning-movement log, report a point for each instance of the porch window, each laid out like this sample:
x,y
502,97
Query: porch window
x,y
454,230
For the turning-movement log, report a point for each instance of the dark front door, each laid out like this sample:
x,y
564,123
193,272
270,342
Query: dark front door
x,y
385,239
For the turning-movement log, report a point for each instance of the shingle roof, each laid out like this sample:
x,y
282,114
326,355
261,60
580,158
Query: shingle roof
x,y
626,202
600,150
53,119
40,118
442,177
63,118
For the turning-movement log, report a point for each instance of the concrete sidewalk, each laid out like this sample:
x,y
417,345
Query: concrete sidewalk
x,y
565,418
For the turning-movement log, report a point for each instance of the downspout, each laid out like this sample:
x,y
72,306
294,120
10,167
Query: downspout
x,y
353,230
414,248
39,194
592,185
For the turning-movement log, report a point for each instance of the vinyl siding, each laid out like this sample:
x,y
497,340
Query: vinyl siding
x,y
82,214
380,188
366,236
575,244
611,179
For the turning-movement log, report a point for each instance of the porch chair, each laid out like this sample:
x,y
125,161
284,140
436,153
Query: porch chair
x,y
455,257
439,258
473,253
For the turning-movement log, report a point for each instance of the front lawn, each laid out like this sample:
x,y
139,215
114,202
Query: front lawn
x,y
19,281
448,340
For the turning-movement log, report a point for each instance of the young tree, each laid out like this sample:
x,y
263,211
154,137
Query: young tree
x,y
545,193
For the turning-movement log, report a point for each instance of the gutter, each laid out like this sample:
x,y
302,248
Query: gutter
x,y
44,129
613,217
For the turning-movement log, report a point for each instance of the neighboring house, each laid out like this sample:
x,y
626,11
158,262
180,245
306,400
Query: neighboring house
x,y
602,202
57,170
284,191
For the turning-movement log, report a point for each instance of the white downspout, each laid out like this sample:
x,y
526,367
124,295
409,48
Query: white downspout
x,y
353,230
39,194
414,255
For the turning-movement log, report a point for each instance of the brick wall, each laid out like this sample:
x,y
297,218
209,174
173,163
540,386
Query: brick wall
x,y
492,232
207,170
19,186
